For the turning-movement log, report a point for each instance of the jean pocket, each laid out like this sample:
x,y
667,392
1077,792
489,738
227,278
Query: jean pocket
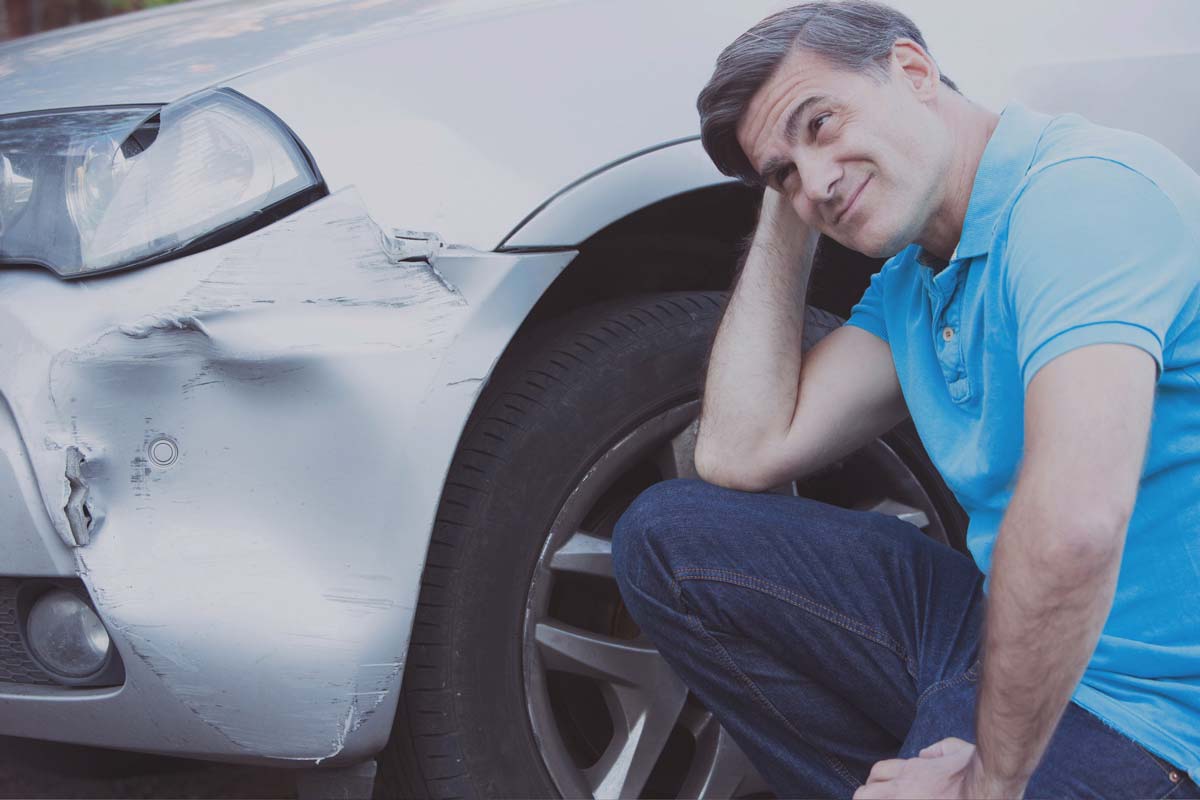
x,y
1089,758
1181,785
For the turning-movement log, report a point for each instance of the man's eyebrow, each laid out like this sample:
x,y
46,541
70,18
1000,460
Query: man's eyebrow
x,y
791,127
789,134
769,169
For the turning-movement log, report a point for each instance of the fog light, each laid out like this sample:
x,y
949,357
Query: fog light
x,y
66,635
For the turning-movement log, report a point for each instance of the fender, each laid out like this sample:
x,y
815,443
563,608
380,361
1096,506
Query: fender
x,y
606,195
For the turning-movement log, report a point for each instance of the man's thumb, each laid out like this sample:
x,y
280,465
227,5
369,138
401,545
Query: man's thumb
x,y
943,748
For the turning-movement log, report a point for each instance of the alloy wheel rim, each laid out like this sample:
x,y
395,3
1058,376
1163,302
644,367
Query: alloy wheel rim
x,y
584,660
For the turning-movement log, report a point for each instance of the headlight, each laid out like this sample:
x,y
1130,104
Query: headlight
x,y
92,190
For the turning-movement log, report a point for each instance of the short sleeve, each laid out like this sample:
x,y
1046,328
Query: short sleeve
x,y
868,312
1096,254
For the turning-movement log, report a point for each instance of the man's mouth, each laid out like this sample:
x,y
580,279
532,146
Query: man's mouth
x,y
846,209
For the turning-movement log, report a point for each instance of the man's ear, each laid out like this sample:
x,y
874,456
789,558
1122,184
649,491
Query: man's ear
x,y
915,68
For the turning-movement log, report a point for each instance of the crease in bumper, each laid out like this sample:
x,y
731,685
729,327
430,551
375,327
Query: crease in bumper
x,y
308,383
275,363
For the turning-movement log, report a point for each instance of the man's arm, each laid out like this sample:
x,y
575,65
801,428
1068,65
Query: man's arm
x,y
1054,569
770,414
1054,573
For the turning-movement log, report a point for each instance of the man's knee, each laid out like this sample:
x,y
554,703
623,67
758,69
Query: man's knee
x,y
660,514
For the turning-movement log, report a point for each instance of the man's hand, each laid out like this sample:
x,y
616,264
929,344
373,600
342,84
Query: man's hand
x,y
781,228
946,769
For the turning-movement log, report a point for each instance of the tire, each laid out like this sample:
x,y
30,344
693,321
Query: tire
x,y
566,393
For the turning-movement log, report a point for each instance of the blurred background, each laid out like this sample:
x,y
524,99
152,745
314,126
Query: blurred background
x,y
23,17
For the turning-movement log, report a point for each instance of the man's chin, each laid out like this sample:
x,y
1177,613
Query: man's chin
x,y
870,246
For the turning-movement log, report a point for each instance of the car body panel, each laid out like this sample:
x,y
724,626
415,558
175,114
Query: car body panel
x,y
162,54
596,200
260,587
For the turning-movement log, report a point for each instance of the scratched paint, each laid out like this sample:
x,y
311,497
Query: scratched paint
x,y
271,342
313,378
263,351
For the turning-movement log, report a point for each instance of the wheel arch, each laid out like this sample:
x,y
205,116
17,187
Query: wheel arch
x,y
682,237
663,219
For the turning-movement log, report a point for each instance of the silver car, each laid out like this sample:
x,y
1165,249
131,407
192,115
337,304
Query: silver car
x,y
334,337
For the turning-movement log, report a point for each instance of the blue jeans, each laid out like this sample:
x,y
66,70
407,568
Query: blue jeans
x,y
826,640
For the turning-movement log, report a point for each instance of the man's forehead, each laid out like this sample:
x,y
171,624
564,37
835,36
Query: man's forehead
x,y
801,78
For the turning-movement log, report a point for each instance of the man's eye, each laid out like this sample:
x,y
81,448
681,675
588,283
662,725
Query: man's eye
x,y
816,122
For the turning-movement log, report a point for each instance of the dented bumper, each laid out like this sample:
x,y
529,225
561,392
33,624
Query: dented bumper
x,y
240,454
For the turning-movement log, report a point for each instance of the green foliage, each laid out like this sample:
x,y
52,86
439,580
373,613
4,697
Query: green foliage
x,y
120,6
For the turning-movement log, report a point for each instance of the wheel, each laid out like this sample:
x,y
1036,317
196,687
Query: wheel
x,y
525,675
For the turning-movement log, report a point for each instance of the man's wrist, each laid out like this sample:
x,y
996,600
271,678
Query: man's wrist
x,y
978,783
781,229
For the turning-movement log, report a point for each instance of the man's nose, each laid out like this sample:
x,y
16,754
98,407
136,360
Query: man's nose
x,y
819,179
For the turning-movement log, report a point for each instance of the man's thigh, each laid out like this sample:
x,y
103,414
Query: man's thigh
x,y
834,618
741,560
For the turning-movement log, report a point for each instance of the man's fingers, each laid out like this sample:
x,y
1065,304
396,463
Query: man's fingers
x,y
870,791
885,770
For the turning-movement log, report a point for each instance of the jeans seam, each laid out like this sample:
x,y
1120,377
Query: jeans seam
x,y
1165,767
799,601
697,625
1161,764
933,688
1183,781
1174,788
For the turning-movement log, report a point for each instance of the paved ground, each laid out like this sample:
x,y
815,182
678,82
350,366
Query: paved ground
x,y
43,770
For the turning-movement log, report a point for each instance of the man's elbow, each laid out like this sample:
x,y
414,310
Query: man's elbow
x,y
733,470
1089,541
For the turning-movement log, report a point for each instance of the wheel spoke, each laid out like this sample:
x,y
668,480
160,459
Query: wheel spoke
x,y
677,457
591,555
696,719
894,508
643,719
720,769
570,649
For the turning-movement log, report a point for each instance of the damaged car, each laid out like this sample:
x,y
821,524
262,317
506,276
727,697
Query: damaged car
x,y
335,337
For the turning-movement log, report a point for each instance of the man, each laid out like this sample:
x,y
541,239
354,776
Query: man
x,y
1040,311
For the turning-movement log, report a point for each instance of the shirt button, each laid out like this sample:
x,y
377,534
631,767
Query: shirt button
x,y
948,333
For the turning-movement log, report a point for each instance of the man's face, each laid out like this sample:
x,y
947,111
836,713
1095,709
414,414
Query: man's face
x,y
860,159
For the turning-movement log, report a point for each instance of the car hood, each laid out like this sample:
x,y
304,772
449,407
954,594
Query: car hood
x,y
465,117
160,55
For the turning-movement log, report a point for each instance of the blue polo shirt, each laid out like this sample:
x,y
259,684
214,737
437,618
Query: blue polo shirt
x,y
1075,235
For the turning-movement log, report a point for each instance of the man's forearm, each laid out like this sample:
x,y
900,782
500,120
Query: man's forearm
x,y
1047,604
756,355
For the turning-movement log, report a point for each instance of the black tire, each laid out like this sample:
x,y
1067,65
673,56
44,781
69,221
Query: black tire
x,y
565,392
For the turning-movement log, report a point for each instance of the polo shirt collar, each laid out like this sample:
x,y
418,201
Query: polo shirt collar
x,y
1006,159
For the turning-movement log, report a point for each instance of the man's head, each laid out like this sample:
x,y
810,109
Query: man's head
x,y
839,106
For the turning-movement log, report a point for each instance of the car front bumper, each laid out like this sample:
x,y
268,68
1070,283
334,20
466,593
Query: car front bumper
x,y
311,380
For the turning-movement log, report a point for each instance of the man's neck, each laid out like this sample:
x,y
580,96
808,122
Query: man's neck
x,y
970,127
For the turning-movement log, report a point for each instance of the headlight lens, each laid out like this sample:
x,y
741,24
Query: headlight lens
x,y
94,190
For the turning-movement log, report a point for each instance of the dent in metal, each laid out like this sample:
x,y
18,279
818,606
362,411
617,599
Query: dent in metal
x,y
404,245
259,552
79,516
311,379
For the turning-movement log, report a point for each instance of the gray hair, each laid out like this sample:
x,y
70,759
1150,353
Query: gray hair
x,y
856,35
